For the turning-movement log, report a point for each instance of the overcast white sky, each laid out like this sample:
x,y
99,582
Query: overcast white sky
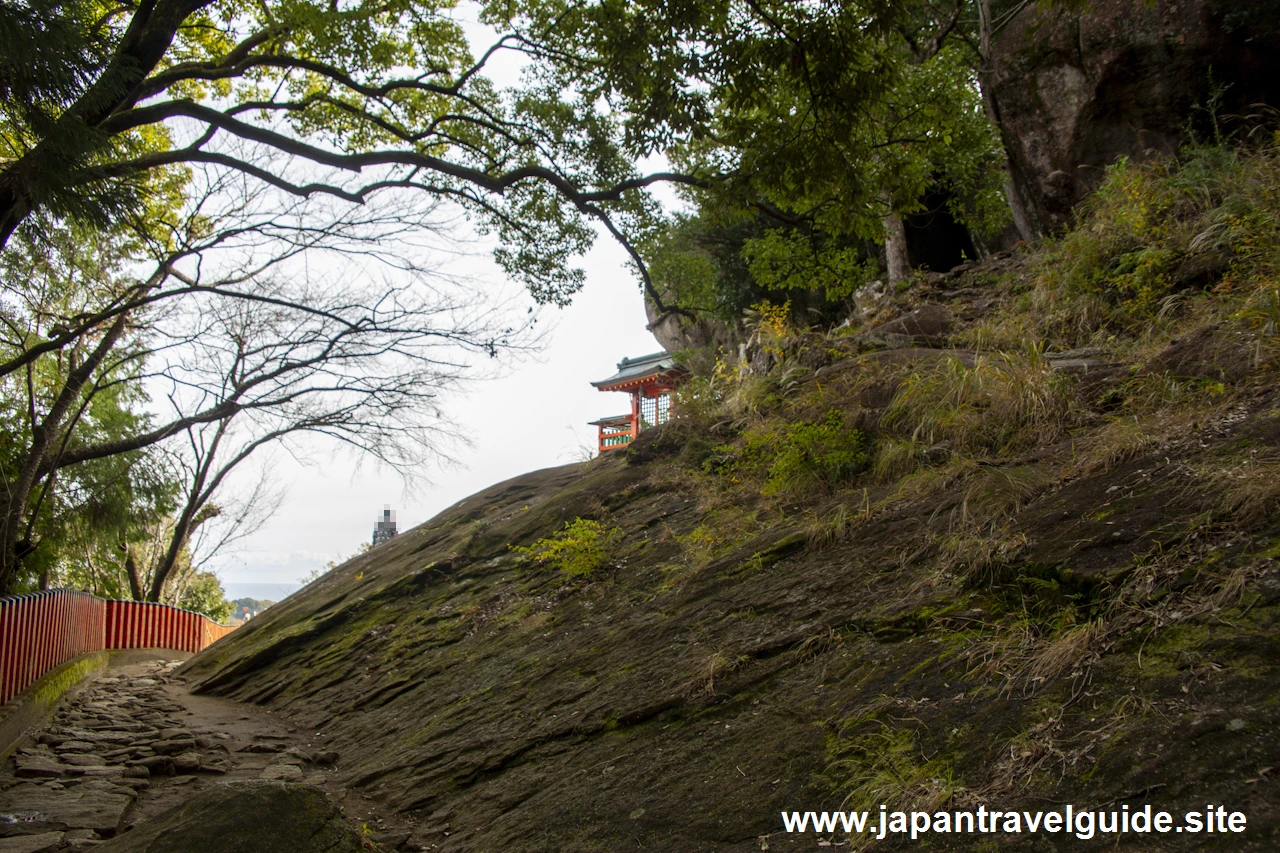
x,y
535,417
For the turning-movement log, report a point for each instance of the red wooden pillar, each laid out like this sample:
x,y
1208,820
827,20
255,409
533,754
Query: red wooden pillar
x,y
6,648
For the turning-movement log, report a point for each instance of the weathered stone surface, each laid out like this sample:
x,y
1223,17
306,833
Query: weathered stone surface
x,y
38,767
81,807
1080,365
244,817
57,737
1078,88
42,843
928,324
294,755
174,746
920,356
261,746
76,746
283,772
677,332
159,765
99,770
1218,353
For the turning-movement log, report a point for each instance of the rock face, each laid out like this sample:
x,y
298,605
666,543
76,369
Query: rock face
x,y
677,332
42,843
245,817
1077,91
668,706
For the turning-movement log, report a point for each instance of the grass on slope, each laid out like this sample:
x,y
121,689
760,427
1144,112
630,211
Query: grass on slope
x,y
1029,561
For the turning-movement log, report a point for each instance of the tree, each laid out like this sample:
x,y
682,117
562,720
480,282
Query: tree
x,y
832,119
203,593
370,382
244,345
345,100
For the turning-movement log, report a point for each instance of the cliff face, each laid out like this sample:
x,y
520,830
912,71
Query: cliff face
x,y
1086,620
1078,90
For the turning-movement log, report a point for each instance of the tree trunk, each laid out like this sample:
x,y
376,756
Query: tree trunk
x,y
895,249
192,515
136,590
1022,220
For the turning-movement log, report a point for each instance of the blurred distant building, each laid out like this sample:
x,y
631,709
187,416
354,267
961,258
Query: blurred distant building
x,y
385,527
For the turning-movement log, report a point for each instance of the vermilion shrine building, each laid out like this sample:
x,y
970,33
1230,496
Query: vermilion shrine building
x,y
649,380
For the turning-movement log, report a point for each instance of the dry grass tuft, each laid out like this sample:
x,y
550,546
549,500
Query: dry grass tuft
x,y
714,667
1005,403
1247,492
819,644
1063,652
1115,443
877,764
896,458
995,494
976,555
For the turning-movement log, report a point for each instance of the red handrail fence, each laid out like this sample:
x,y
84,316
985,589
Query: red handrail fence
x,y
40,630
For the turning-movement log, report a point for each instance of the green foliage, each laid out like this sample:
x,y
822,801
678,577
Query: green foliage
x,y
788,260
793,457
203,593
717,534
82,521
88,117
583,548
1154,232
822,454
874,764
824,118
253,606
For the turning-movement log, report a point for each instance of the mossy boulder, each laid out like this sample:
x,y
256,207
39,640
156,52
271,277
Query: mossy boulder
x,y
245,817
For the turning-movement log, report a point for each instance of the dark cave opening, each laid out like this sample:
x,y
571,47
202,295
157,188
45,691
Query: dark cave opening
x,y
935,240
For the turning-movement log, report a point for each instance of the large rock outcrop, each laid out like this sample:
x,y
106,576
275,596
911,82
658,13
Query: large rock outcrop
x,y
245,817
1077,90
678,331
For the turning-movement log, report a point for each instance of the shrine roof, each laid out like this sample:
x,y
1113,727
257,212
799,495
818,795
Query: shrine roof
x,y
615,420
633,370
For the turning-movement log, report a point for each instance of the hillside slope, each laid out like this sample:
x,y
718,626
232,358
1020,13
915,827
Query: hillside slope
x,y
1008,539
659,708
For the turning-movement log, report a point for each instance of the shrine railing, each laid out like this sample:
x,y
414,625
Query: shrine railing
x,y
616,435
41,630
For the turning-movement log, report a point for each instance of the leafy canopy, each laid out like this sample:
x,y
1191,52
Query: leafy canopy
x,y
804,123
310,97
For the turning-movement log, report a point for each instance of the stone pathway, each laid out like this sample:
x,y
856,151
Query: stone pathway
x,y
132,743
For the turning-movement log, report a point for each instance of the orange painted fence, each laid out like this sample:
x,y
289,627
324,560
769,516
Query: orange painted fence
x,y
40,630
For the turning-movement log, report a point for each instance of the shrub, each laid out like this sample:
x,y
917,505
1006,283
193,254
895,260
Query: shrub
x,y
823,454
1152,230
719,532
791,457
1005,402
580,550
